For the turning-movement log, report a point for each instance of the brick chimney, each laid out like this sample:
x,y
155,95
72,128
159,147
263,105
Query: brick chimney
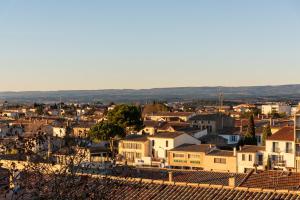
x,y
170,176
231,181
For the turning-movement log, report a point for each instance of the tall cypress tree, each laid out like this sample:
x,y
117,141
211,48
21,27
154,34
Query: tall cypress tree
x,y
250,138
266,133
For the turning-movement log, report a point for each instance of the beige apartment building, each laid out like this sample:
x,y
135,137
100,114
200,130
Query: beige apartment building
x,y
203,156
189,156
134,147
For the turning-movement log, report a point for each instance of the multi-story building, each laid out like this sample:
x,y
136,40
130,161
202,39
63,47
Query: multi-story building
x,y
134,148
212,122
297,140
189,156
276,108
161,143
140,149
204,156
280,149
250,157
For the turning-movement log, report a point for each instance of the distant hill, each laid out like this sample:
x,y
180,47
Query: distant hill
x,y
169,94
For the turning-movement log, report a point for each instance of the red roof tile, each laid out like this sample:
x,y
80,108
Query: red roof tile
x,y
284,134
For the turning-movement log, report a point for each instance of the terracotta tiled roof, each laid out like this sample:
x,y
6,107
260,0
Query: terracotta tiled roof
x,y
136,138
218,152
193,148
284,134
167,135
273,180
251,149
155,124
173,114
203,177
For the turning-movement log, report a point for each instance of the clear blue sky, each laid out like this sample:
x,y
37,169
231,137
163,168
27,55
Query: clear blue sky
x,y
77,44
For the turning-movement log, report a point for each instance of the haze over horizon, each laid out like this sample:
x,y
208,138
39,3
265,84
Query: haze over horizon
x,y
71,45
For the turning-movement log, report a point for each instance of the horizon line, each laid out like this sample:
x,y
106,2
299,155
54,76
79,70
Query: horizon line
x,y
171,87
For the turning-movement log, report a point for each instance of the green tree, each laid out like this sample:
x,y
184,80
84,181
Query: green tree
x,y
250,138
39,108
155,107
106,131
128,117
266,133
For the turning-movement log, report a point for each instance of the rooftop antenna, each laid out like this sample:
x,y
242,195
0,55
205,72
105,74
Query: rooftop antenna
x,y
59,112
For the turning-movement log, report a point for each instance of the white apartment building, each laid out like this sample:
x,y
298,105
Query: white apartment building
x,y
161,143
277,108
280,149
59,132
250,157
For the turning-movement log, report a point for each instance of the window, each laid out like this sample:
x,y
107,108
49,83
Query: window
x,y
258,138
233,138
275,147
250,157
260,159
220,160
132,146
243,157
180,161
178,155
194,156
288,147
167,143
153,143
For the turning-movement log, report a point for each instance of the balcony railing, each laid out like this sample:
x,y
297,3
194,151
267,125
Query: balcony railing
x,y
297,140
259,163
276,150
297,153
289,151
281,163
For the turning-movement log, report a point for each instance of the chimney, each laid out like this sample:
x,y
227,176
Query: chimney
x,y
234,151
170,176
231,181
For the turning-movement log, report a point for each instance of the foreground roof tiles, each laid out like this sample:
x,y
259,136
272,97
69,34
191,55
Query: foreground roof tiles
x,y
131,190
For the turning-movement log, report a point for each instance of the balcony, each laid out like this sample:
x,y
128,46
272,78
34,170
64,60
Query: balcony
x,y
260,163
276,150
297,140
279,163
289,150
297,153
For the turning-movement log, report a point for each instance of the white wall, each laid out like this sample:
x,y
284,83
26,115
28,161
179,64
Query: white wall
x,y
288,157
246,164
267,109
230,139
161,148
59,132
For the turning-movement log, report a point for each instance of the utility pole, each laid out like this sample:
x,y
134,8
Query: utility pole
x,y
221,99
